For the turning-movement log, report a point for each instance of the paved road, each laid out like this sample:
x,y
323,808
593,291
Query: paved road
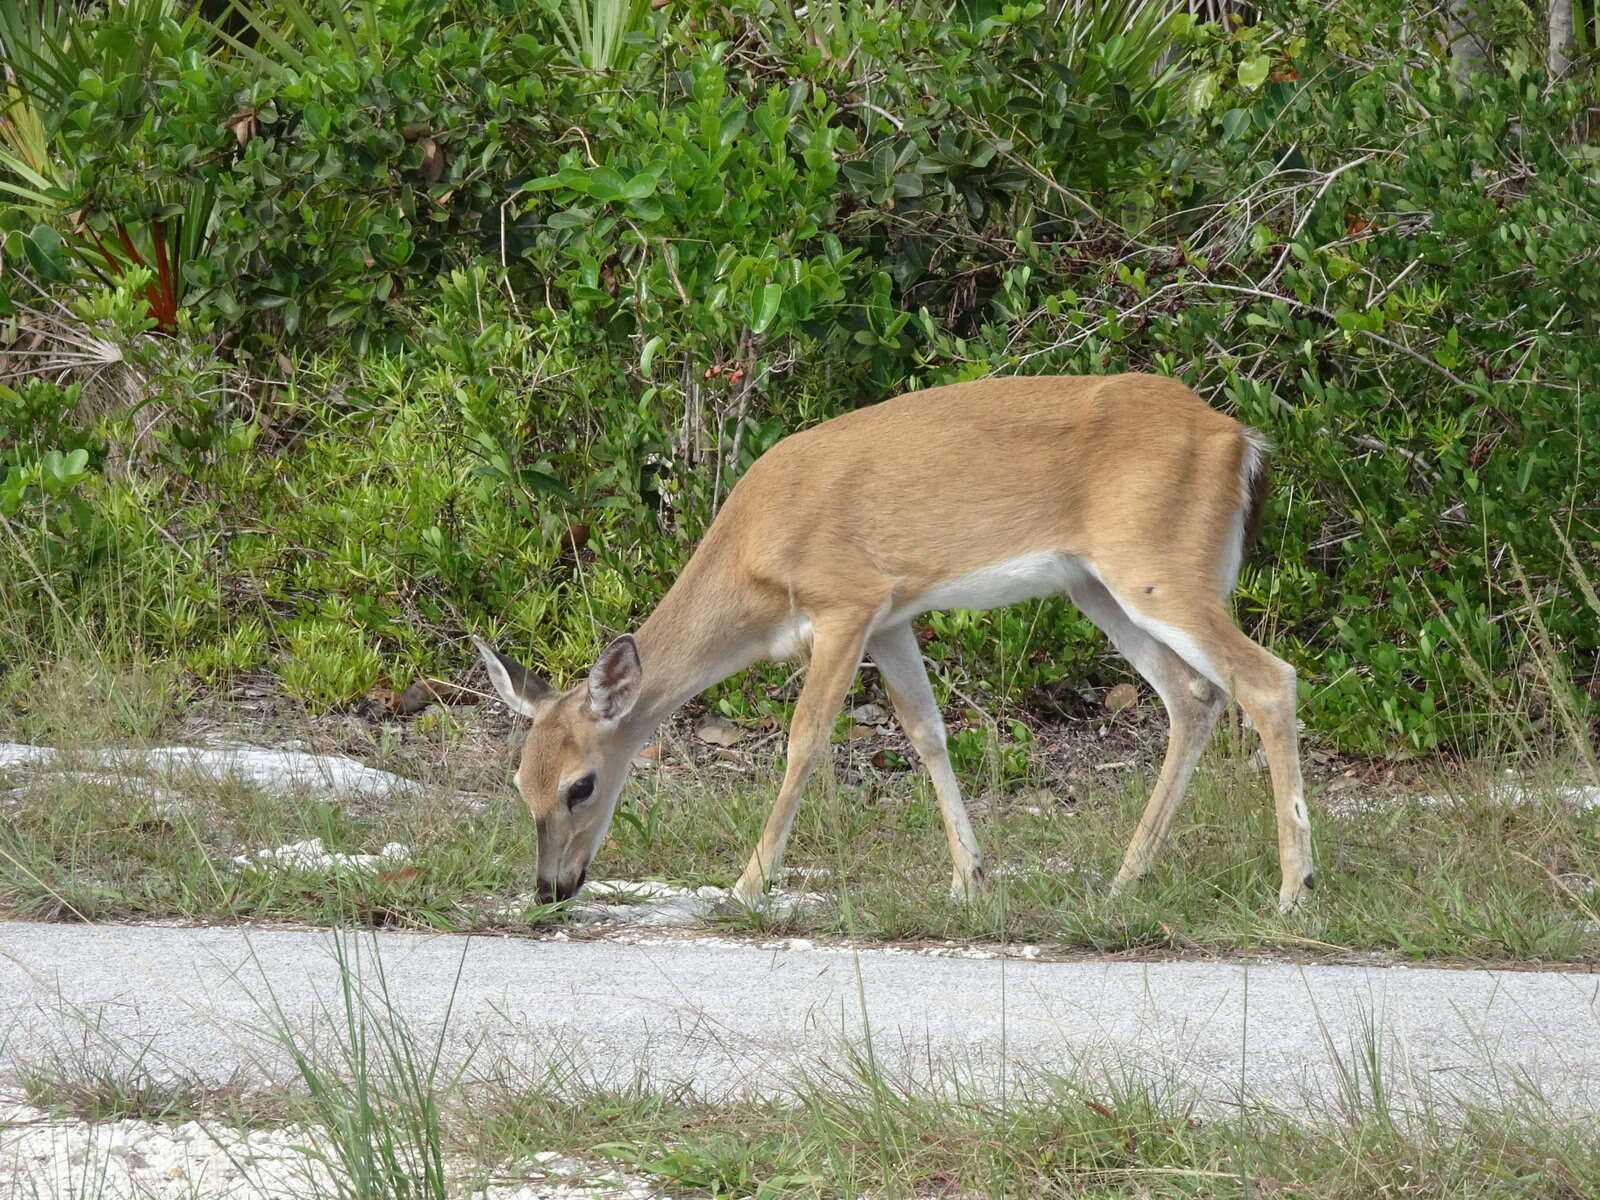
x,y
728,1017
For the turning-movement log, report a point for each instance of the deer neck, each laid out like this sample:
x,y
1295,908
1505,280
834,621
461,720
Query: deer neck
x,y
698,635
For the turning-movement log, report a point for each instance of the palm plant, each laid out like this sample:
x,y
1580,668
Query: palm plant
x,y
1111,41
596,31
47,48
1104,40
35,57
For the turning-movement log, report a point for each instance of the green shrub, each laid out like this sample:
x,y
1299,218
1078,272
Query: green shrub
x,y
501,332
1414,329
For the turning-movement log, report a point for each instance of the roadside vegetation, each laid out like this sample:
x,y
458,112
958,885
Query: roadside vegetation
x,y
859,1134
1479,869
334,332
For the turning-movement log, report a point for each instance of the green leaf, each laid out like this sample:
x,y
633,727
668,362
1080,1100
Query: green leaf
x,y
1202,92
732,127
1253,71
648,209
12,485
649,354
43,249
908,184
605,183
641,185
766,307
545,484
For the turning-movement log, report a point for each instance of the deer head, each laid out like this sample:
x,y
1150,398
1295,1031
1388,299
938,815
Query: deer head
x,y
574,758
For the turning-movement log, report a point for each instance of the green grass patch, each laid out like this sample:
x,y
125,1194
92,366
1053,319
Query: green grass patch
x,y
1467,875
1464,874
92,851
857,1133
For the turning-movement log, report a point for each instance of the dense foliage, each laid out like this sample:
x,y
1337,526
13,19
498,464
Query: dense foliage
x,y
335,333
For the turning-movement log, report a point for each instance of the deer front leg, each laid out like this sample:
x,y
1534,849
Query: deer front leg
x,y
835,655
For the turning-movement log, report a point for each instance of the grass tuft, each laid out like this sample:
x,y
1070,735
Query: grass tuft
x,y
373,1089
116,1089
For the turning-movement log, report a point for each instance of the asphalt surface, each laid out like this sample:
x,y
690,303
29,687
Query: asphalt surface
x,y
730,1018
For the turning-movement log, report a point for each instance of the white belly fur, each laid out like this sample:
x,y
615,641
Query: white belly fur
x,y
1045,573
1027,577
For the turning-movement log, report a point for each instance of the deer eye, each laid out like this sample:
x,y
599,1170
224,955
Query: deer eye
x,y
580,791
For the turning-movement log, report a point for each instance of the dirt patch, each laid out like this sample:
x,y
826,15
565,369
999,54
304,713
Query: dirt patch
x,y
1085,748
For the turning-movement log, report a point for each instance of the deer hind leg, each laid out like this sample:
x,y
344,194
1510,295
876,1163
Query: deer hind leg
x,y
906,680
835,655
1192,703
1198,629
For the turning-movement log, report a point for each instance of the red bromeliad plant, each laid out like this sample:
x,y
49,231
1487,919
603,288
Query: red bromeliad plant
x,y
161,258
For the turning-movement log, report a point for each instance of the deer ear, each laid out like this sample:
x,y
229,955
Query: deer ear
x,y
519,687
614,680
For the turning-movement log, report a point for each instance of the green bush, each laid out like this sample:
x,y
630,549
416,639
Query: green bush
x,y
468,336
284,181
1414,329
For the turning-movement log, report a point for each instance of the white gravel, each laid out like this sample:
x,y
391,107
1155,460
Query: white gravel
x,y
312,855
1509,790
269,769
650,903
625,905
43,1156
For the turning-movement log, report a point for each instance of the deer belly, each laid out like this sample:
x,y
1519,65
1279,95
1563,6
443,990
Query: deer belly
x,y
1027,577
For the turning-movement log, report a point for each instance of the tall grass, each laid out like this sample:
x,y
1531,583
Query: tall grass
x,y
373,1087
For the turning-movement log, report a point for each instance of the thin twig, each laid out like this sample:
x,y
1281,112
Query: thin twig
x,y
1305,217
1305,306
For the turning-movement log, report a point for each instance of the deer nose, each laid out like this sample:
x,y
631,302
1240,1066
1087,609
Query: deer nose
x,y
552,892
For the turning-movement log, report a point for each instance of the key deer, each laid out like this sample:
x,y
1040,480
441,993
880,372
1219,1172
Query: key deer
x,y
1128,493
